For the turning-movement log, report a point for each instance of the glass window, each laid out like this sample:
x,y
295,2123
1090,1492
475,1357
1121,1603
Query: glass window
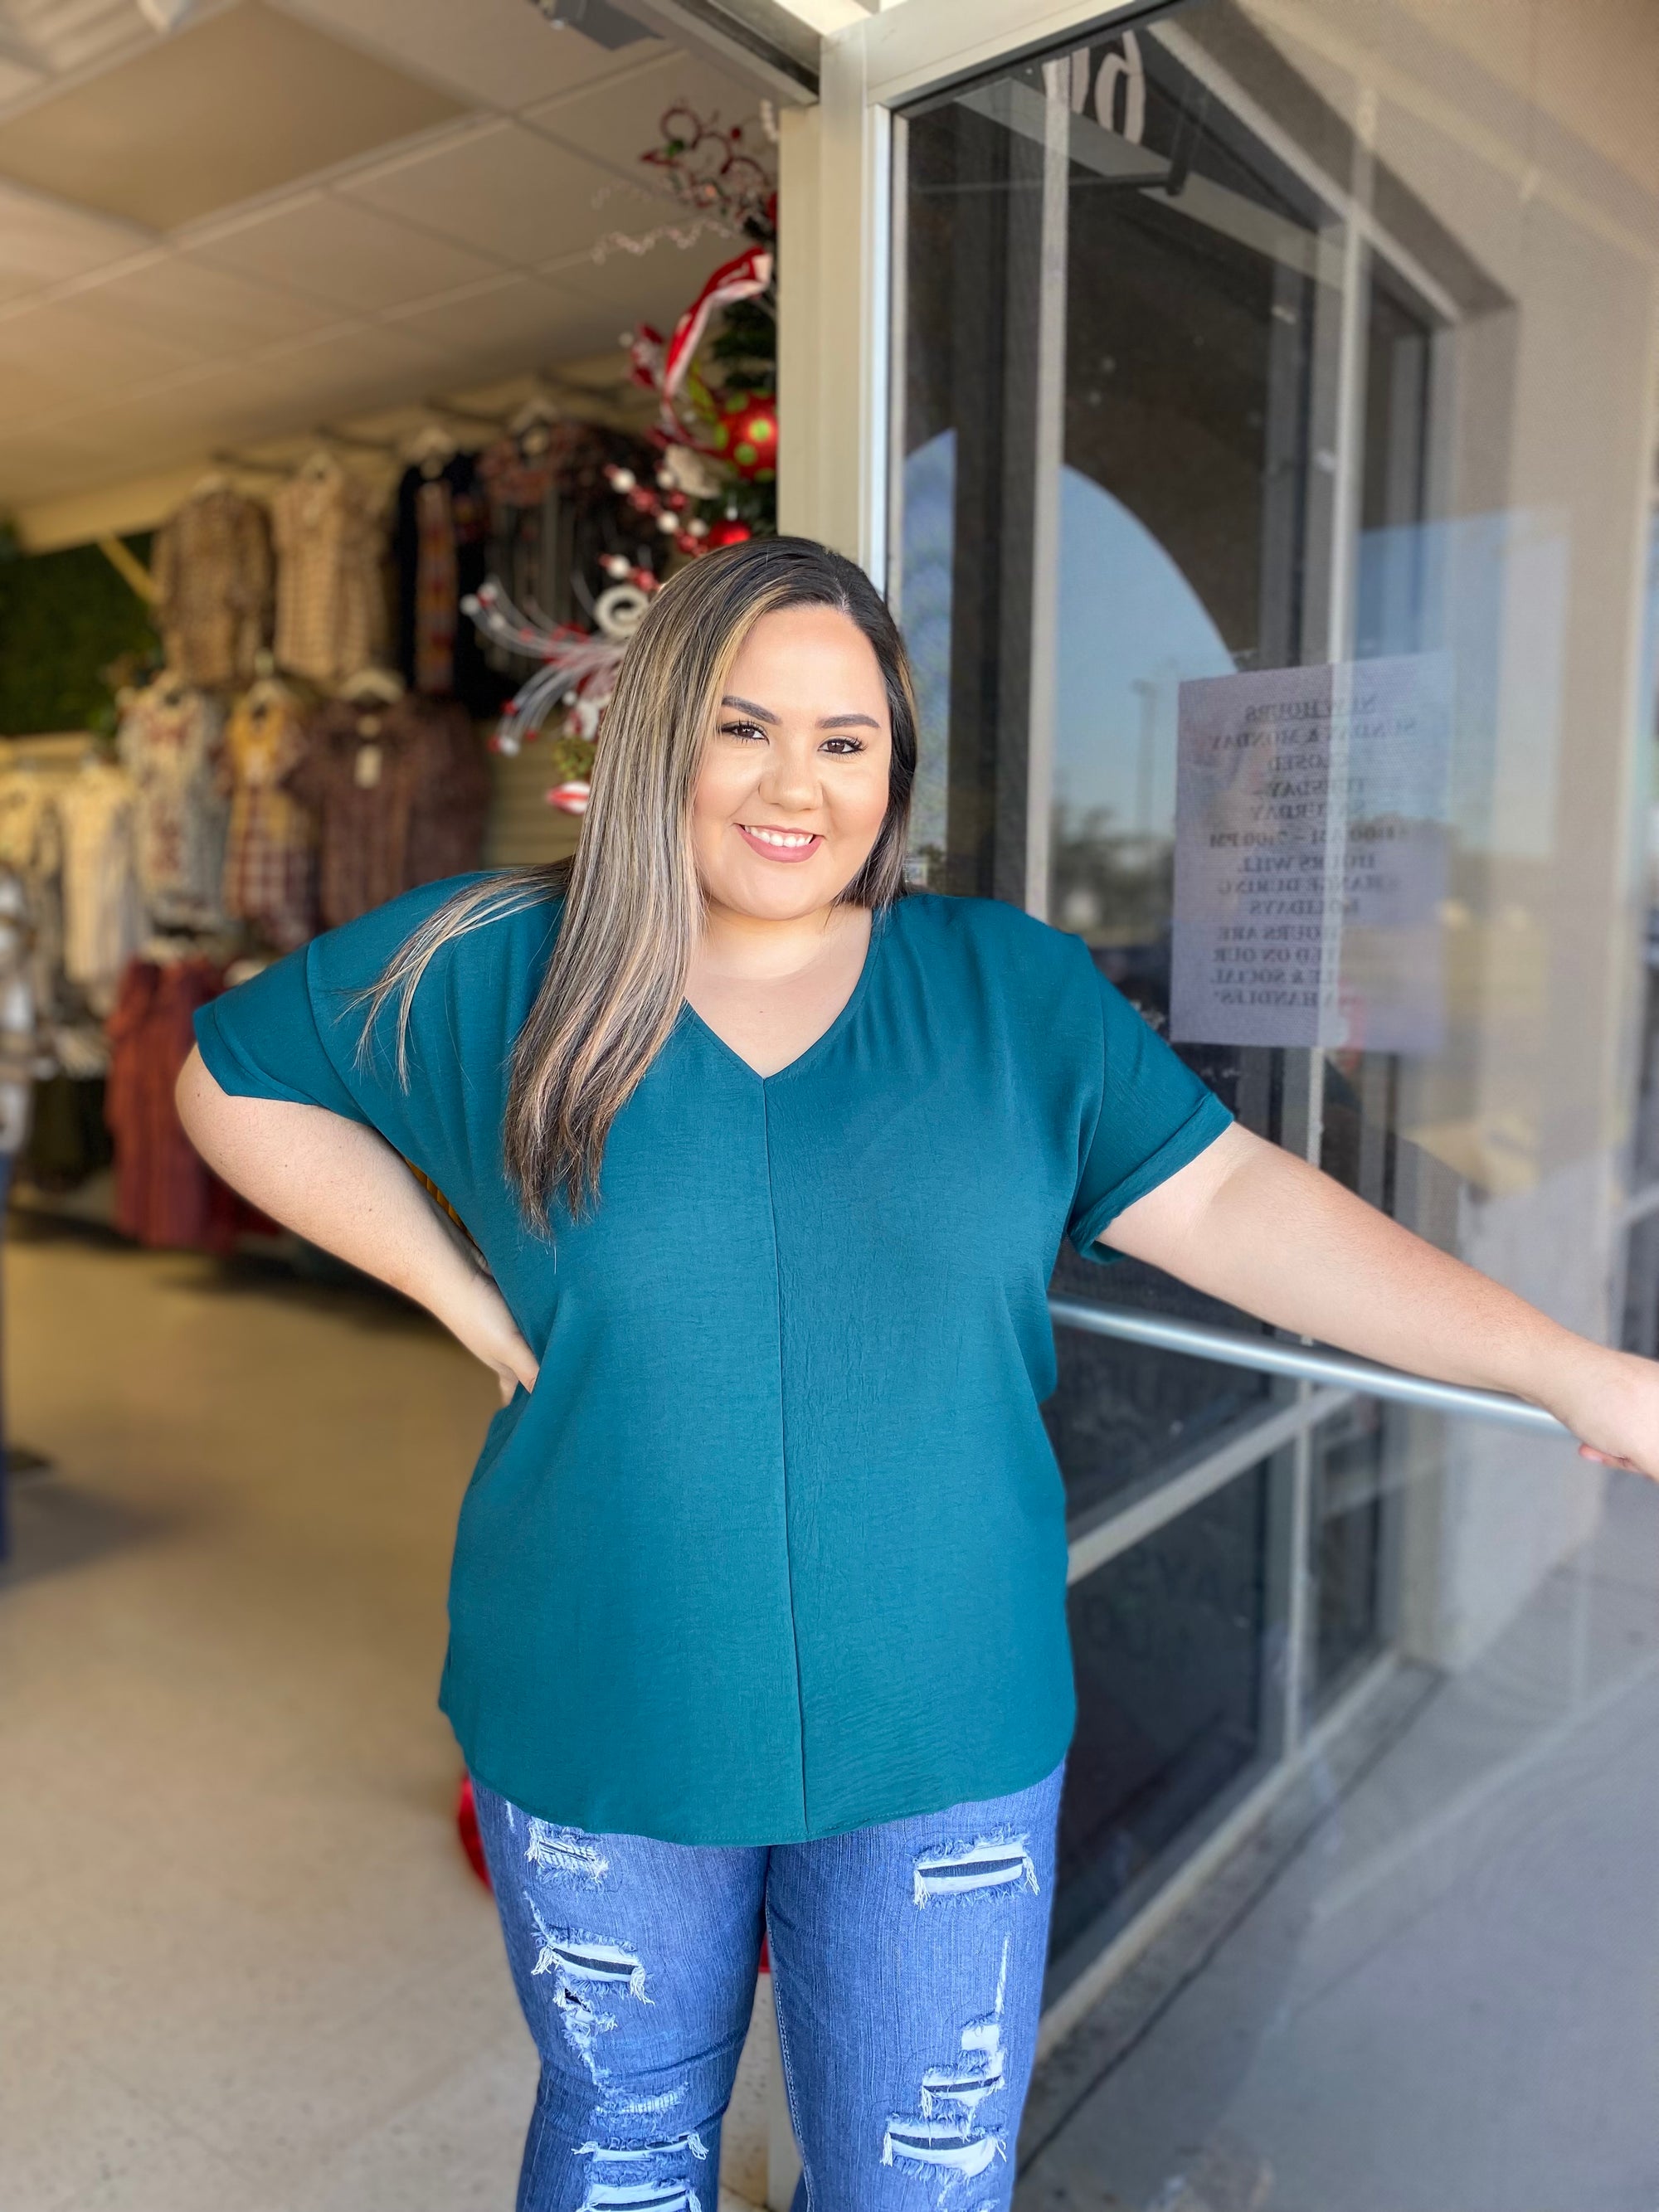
x,y
1271,492
1171,1647
1119,1420
1347,1540
1274,557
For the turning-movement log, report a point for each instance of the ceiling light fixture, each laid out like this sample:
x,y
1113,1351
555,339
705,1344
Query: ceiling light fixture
x,y
607,26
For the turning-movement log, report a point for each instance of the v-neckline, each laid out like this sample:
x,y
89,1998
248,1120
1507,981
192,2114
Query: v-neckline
x,y
849,1007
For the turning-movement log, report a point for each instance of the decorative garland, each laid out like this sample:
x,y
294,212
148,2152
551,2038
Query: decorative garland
x,y
718,441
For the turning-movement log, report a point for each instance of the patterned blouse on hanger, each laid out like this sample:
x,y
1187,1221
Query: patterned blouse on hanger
x,y
103,913
271,846
213,577
331,591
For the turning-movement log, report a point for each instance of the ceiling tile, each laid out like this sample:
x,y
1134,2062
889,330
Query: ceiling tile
x,y
284,391
516,324
499,51
241,102
618,123
42,242
342,254
655,287
519,310
349,356
26,391
18,79
504,191
77,34
46,463
371,366
89,354
206,308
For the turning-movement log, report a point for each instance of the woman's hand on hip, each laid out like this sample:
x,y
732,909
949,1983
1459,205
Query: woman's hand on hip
x,y
475,1314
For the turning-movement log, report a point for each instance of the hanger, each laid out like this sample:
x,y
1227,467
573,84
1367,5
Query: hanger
x,y
205,487
375,686
533,420
265,692
320,466
429,448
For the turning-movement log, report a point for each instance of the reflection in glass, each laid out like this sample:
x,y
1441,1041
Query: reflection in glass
x,y
1250,345
1119,1420
1347,1538
1170,1645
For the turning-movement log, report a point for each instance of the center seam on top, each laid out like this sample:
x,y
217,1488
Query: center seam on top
x,y
783,1453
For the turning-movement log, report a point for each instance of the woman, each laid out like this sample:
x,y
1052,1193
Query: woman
x,y
757,1607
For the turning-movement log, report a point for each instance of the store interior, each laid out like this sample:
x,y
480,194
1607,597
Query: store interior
x,y
365,365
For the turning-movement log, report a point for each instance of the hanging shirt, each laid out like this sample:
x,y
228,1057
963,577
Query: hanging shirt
x,y
270,845
399,794
777,1547
103,910
213,574
330,596
440,550
169,743
164,1194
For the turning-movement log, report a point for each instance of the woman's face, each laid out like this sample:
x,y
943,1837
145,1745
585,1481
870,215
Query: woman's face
x,y
792,788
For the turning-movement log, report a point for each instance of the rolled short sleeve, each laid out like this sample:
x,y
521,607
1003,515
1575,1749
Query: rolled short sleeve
x,y
260,1040
1155,1116
432,1086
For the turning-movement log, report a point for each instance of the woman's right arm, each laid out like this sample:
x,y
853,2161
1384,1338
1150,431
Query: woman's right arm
x,y
340,1185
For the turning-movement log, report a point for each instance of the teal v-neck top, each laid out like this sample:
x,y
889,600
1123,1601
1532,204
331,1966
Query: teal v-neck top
x,y
777,1546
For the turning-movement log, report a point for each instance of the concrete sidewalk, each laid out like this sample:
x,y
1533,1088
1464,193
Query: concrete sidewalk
x,y
1449,2000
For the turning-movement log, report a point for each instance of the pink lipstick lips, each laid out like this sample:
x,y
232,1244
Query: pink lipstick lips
x,y
775,844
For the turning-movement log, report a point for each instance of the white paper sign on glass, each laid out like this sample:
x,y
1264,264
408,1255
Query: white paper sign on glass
x,y
1310,856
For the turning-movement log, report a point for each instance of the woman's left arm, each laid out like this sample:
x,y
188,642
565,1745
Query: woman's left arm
x,y
1249,1223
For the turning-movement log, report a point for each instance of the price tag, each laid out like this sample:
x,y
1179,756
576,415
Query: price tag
x,y
367,771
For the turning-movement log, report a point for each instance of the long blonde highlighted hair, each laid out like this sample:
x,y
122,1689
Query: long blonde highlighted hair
x,y
632,906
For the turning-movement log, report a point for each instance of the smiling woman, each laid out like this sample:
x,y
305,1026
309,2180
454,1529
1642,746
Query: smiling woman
x,y
789,799
757,1608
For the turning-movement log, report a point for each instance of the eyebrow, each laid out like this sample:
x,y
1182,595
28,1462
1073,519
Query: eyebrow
x,y
829,722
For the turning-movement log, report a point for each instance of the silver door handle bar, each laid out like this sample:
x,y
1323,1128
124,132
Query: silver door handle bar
x,y
1269,1356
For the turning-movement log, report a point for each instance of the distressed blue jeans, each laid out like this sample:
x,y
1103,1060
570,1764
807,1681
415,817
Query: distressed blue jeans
x,y
906,1965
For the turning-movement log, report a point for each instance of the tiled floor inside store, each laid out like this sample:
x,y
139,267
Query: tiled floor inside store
x,y
243,1967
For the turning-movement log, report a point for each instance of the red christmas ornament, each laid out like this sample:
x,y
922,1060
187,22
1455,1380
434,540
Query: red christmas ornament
x,y
729,533
746,435
466,1821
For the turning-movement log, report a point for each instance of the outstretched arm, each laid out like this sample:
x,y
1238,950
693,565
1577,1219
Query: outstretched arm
x,y
339,1184
1249,1223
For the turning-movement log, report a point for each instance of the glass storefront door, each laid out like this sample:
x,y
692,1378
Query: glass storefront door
x,y
1234,644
